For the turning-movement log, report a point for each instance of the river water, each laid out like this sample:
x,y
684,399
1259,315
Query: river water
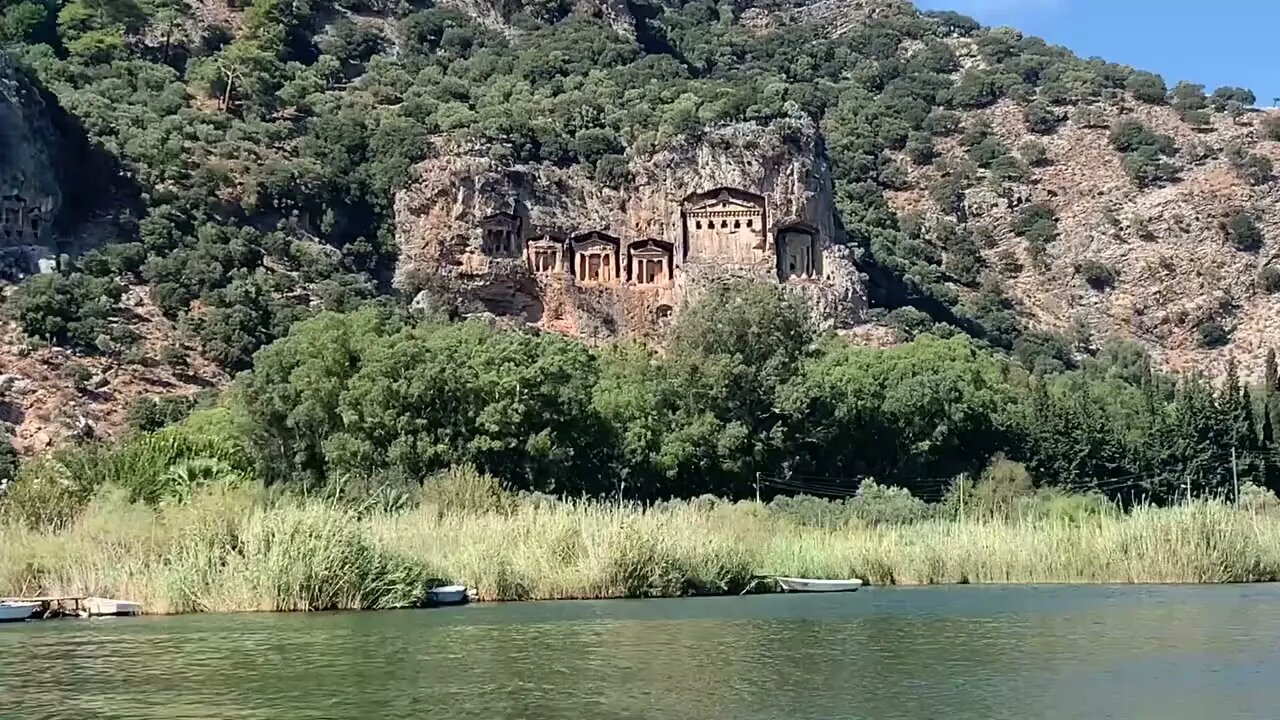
x,y
944,652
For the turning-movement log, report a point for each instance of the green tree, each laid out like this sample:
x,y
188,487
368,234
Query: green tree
x,y
1225,96
1147,87
1187,97
515,405
291,396
929,409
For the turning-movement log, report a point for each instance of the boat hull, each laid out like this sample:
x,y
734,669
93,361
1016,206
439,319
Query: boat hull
x,y
17,612
790,584
448,595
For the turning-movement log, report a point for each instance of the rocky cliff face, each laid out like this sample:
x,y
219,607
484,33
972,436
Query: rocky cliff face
x,y
1175,269
498,14
30,195
762,187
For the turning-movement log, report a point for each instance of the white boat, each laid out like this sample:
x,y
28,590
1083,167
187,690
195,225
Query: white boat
x,y
107,606
448,595
790,584
16,611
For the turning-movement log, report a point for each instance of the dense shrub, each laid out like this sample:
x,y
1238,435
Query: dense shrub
x,y
1269,279
1253,168
1147,87
1034,153
1089,116
8,461
942,123
71,310
153,412
1198,119
1148,167
1030,215
1130,135
1041,118
1003,485
909,322
1043,353
876,504
1243,233
1099,276
920,148
1008,169
1187,97
1212,334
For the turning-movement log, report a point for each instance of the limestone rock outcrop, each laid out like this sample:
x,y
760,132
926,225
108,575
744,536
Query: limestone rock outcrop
x,y
571,254
497,14
1174,268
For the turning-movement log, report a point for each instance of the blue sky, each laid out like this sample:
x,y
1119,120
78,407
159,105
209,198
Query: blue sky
x,y
1218,42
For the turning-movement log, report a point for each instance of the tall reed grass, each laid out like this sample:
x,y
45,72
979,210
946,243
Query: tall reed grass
x,y
244,550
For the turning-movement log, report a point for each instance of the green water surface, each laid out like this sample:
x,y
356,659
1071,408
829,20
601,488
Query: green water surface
x,y
955,652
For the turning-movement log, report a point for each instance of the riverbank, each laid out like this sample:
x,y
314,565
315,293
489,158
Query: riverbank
x,y
236,550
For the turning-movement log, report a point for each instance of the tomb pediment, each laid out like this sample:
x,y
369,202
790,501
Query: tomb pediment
x,y
548,242
798,227
724,199
593,240
650,249
503,220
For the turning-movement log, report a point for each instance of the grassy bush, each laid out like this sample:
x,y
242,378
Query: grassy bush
x,y
1089,116
1269,126
463,489
239,549
44,495
877,504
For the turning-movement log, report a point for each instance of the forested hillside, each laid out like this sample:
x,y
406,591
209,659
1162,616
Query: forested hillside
x,y
991,185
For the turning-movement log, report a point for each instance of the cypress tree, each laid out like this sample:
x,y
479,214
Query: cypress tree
x,y
1270,375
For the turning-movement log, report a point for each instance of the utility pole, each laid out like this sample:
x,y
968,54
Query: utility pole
x,y
1188,483
757,487
1235,475
962,484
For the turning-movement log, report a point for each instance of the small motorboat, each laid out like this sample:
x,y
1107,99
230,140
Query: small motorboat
x,y
11,611
447,595
791,584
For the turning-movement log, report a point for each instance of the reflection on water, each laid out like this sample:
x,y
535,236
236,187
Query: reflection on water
x,y
956,652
